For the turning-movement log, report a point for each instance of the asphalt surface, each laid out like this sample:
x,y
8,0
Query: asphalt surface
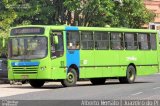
x,y
144,88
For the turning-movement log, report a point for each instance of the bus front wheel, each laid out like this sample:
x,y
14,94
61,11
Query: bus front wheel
x,y
36,83
130,75
71,78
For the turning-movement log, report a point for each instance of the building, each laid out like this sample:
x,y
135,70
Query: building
x,y
153,5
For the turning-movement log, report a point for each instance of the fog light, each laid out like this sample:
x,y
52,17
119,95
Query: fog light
x,y
43,68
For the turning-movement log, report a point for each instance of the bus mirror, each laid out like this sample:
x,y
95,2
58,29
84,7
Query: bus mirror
x,y
55,39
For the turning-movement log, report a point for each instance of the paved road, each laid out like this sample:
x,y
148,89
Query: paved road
x,y
145,87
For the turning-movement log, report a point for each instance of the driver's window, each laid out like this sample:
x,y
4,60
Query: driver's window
x,y
57,47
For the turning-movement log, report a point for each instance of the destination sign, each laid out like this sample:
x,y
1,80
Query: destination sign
x,y
27,31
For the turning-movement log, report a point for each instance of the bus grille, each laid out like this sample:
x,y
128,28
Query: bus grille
x,y
25,70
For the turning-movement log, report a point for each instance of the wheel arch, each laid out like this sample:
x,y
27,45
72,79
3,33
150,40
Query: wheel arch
x,y
74,66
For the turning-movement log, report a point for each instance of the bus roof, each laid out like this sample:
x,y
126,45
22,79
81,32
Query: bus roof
x,y
65,27
116,29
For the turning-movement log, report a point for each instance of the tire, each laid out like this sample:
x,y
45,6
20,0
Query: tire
x,y
36,83
98,81
122,80
71,78
24,81
130,75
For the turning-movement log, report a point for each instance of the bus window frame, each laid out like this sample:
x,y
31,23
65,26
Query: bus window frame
x,y
122,45
87,41
95,40
135,34
151,34
52,43
9,57
78,47
147,34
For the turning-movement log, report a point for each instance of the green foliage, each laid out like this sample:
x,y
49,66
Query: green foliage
x,y
7,16
34,12
132,14
128,13
90,12
3,46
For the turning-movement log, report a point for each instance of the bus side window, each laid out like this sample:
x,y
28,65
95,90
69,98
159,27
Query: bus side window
x,y
57,47
73,40
87,41
116,41
143,41
153,42
130,41
101,40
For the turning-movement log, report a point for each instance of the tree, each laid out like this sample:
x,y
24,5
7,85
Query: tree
x,y
116,13
88,12
34,12
7,16
131,14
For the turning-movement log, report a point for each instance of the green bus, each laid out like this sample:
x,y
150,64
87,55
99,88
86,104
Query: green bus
x,y
39,53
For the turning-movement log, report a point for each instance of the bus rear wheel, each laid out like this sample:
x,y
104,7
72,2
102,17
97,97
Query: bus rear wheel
x,y
71,78
98,81
130,75
36,83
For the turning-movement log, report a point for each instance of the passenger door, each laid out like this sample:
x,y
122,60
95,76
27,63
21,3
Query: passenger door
x,y
58,59
73,46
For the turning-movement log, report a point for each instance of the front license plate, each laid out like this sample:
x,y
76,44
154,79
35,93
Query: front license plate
x,y
25,76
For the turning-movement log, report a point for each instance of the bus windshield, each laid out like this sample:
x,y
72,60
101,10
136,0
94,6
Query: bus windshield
x,y
28,47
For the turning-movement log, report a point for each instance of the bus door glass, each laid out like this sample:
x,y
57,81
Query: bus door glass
x,y
57,47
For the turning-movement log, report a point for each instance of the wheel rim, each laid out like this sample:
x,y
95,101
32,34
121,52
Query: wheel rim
x,y
131,74
70,77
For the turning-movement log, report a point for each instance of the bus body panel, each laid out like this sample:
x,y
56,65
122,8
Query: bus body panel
x,y
91,63
87,69
58,68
